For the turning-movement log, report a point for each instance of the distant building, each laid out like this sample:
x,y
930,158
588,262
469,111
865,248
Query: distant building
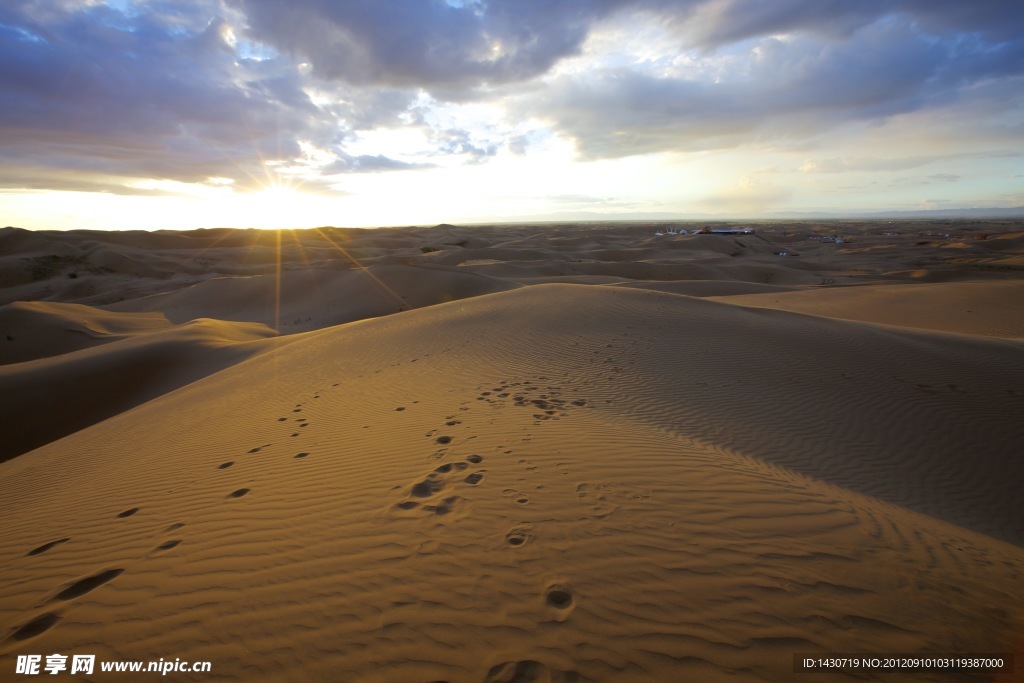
x,y
732,231
706,230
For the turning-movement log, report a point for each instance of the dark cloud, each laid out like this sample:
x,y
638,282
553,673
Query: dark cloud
x,y
722,22
367,163
96,90
715,23
24,177
452,47
426,43
994,20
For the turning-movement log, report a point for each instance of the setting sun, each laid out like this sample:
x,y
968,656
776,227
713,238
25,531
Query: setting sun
x,y
277,205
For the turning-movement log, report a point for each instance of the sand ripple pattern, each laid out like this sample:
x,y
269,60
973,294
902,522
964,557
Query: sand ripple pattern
x,y
558,483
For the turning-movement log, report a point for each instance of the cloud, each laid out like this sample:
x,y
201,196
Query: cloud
x,y
366,163
995,21
94,91
722,22
855,164
426,43
715,23
22,177
457,142
93,95
770,90
450,48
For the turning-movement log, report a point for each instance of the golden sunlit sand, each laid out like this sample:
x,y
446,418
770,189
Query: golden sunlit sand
x,y
514,453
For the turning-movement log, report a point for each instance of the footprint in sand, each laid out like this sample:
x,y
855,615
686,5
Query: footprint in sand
x,y
519,535
34,627
239,493
168,544
128,513
475,459
301,455
443,507
89,583
225,465
517,496
257,449
449,504
434,485
558,596
426,487
604,499
450,467
46,546
474,478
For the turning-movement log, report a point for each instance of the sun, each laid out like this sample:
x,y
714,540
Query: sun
x,y
276,205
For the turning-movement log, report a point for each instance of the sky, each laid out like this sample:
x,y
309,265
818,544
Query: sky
x,y
182,114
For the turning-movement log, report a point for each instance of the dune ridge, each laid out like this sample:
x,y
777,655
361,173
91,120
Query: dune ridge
x,y
976,308
47,328
87,386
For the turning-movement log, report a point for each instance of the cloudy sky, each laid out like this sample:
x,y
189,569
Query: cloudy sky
x,y
271,113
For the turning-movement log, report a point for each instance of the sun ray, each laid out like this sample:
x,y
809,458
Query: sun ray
x,y
359,266
277,284
194,258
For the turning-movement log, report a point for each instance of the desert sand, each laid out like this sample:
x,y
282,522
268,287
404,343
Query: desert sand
x,y
513,453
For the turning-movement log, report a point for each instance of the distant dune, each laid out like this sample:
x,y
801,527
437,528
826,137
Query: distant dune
x,y
514,453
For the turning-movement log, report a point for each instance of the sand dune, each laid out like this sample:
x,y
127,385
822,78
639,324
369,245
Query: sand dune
x,y
50,328
980,308
45,399
706,288
298,301
531,453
